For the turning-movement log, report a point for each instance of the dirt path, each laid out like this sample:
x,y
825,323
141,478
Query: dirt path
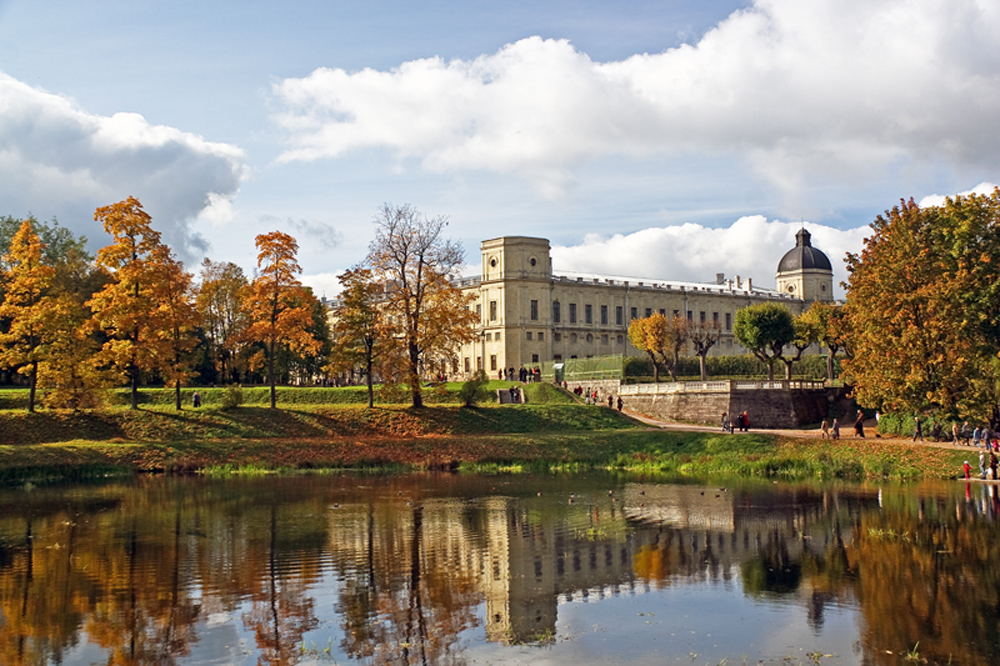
x,y
812,433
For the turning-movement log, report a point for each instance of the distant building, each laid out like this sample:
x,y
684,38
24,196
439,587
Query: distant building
x,y
528,314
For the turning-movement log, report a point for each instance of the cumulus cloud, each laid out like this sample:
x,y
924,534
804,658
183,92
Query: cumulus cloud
x,y
826,89
751,248
938,199
57,159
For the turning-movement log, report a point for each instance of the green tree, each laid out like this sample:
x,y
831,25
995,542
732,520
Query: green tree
x,y
828,321
429,316
923,308
764,330
806,335
359,330
279,308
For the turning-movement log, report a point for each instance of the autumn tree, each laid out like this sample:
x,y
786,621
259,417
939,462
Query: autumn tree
x,y
704,335
26,307
662,338
220,307
127,308
278,306
764,330
828,321
806,334
359,327
923,308
427,314
177,323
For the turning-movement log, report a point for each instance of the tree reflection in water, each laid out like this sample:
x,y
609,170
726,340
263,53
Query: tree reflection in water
x,y
427,569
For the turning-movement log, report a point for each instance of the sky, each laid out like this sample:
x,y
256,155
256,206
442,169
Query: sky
x,y
671,139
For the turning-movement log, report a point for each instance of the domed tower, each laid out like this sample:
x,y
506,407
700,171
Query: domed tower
x,y
805,272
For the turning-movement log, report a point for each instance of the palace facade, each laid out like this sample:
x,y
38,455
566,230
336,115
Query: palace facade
x,y
529,314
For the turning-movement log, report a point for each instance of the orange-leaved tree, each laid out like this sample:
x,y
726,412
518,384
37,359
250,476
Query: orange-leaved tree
x,y
27,306
127,308
279,307
359,328
220,305
429,315
178,322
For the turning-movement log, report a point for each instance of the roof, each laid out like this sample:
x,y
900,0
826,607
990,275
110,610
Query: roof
x,y
804,256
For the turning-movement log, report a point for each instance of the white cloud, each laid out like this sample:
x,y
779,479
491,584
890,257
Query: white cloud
x,y
840,89
323,284
938,199
750,248
57,159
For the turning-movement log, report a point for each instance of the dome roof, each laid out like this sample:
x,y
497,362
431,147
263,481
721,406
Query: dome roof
x,y
803,256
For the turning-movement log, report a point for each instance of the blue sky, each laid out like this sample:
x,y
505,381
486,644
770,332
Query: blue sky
x,y
671,139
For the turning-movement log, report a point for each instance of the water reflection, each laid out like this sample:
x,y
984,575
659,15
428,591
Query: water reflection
x,y
449,569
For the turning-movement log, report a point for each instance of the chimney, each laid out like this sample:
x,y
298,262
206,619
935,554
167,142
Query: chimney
x,y
720,278
749,284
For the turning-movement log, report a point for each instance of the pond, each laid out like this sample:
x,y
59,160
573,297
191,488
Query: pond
x,y
466,569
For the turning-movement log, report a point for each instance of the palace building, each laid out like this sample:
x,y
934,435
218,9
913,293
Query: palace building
x,y
528,314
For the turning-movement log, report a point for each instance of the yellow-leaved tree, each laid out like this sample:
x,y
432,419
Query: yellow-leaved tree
x,y
177,325
128,309
27,306
279,307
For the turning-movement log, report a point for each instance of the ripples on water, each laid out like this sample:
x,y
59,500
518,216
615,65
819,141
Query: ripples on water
x,y
463,569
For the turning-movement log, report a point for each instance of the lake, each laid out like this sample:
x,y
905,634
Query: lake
x,y
458,569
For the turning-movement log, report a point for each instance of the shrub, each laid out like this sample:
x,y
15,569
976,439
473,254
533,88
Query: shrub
x,y
232,396
474,390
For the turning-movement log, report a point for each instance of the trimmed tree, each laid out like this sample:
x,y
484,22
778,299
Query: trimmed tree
x,y
764,330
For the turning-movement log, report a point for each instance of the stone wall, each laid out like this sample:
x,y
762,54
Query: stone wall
x,y
780,404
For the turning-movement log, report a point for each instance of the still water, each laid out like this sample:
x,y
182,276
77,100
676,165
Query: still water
x,y
465,569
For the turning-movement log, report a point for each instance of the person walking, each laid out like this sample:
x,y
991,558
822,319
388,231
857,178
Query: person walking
x,y
917,430
835,430
825,428
965,433
954,432
859,425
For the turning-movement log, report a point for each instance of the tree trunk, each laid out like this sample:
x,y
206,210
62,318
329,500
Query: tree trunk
x,y
829,364
418,399
177,394
270,375
770,370
702,366
371,391
32,384
134,372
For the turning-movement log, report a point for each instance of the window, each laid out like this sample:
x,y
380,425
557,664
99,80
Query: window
x,y
493,310
557,337
715,318
633,313
534,310
588,314
541,336
496,336
557,358
555,312
649,312
677,313
621,339
527,336
619,315
572,338
493,361
534,358
729,321
604,339
701,317
604,314
479,309
690,316
663,311
489,336
468,364
479,363
572,313
590,338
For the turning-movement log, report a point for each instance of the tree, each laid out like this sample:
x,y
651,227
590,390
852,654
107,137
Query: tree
x,y
806,334
828,322
703,336
279,308
359,327
427,314
662,339
220,306
127,308
764,329
923,308
27,306
178,320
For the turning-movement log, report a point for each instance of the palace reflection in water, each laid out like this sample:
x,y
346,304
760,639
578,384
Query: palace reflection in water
x,y
426,569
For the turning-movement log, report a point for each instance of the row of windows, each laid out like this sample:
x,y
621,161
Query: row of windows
x,y
588,314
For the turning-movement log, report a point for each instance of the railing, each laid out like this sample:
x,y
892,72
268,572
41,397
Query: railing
x,y
722,386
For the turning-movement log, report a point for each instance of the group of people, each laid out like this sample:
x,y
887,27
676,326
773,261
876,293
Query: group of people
x,y
984,437
986,470
523,375
734,422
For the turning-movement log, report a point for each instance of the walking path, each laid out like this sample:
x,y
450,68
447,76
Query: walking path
x,y
812,433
